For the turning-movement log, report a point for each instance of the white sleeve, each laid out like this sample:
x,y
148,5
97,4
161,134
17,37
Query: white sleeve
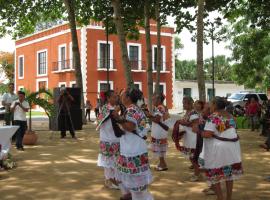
x,y
4,98
209,126
26,105
13,104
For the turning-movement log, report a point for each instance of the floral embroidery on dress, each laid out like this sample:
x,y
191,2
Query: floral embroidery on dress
x,y
133,112
104,113
189,114
222,123
133,165
109,149
229,172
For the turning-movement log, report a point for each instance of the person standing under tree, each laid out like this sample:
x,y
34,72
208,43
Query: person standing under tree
x,y
88,107
65,122
19,108
7,100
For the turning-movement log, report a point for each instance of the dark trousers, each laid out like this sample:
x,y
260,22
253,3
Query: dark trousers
x,y
8,117
65,124
87,114
254,122
20,132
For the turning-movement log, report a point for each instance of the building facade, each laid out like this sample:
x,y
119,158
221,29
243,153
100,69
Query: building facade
x,y
44,59
190,88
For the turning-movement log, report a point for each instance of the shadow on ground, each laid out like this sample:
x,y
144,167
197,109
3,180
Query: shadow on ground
x,y
66,169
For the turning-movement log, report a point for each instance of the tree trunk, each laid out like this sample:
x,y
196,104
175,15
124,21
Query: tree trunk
x,y
158,61
149,54
76,62
200,70
116,4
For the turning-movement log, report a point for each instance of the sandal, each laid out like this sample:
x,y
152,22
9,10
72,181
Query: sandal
x,y
160,169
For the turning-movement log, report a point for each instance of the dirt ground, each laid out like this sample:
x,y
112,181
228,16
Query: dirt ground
x,y
67,169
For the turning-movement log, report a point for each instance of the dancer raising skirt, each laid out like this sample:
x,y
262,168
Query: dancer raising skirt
x,y
133,164
183,129
109,144
221,154
159,132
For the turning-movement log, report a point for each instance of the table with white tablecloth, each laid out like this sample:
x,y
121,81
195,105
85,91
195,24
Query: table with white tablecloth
x,y
6,132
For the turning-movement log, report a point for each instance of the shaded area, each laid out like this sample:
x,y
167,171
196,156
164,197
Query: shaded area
x,y
66,169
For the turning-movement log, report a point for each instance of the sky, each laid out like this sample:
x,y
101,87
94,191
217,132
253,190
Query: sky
x,y
187,53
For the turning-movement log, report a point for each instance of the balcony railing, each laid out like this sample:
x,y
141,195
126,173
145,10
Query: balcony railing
x,y
62,65
162,67
103,64
137,65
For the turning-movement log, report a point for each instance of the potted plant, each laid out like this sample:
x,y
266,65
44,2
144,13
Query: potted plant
x,y
40,98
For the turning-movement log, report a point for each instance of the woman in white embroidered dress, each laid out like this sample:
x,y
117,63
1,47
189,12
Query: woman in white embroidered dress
x,y
221,154
159,131
109,143
132,164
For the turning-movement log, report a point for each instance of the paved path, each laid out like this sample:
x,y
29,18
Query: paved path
x,y
66,170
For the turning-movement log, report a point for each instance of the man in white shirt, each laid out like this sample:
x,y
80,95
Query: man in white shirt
x,y
19,108
7,100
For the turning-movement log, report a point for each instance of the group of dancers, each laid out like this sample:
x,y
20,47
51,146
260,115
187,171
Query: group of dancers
x,y
206,131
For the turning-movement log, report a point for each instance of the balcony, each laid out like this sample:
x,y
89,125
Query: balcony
x,y
163,67
62,66
103,64
137,65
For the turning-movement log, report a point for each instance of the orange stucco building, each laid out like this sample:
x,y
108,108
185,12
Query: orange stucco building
x,y
44,60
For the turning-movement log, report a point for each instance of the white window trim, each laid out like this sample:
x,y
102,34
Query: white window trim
x,y
70,55
111,53
140,54
20,77
140,85
164,57
71,83
70,51
99,82
20,87
59,51
59,55
165,89
40,80
62,83
41,51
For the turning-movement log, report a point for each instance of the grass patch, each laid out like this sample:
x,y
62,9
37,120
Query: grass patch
x,y
36,113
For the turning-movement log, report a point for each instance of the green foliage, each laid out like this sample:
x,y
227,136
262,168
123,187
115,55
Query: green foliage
x,y
3,88
186,69
251,50
223,68
43,99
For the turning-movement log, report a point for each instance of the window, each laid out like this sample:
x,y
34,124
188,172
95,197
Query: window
x,y
21,88
210,94
72,84
162,89
103,86
163,58
105,55
138,85
62,57
62,84
41,83
187,92
42,62
134,53
21,67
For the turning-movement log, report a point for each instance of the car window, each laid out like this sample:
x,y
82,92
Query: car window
x,y
249,96
236,96
263,97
